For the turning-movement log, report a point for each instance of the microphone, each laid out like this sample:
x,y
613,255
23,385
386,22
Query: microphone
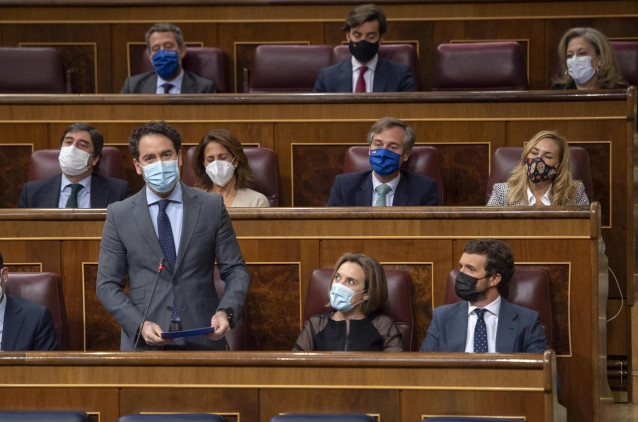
x,y
160,267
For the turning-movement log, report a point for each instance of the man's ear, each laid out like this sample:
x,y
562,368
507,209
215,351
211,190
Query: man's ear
x,y
138,167
95,160
182,51
494,280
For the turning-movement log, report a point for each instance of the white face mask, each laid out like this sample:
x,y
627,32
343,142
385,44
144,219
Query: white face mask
x,y
220,171
73,161
580,69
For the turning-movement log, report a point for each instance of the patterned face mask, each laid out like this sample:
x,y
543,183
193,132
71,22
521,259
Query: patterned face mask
x,y
538,171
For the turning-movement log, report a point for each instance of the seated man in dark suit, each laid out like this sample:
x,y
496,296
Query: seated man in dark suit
x,y
366,71
24,325
77,186
391,141
484,322
166,49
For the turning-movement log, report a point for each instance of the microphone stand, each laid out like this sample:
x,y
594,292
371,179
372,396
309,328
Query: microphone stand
x,y
148,305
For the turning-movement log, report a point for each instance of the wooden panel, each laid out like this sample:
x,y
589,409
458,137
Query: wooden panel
x,y
14,164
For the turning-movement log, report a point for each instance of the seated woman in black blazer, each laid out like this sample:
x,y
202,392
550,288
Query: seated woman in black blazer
x,y
357,291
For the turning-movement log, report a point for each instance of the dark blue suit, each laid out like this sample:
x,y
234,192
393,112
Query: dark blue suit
x,y
45,193
389,76
355,189
519,329
146,83
27,326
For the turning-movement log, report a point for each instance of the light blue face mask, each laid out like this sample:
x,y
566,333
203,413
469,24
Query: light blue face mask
x,y
161,175
341,296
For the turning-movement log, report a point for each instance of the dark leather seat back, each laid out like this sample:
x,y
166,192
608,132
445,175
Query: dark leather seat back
x,y
206,62
627,53
507,158
423,160
400,53
44,163
32,70
263,163
43,415
172,417
239,337
287,68
292,417
398,305
529,287
470,419
490,66
45,289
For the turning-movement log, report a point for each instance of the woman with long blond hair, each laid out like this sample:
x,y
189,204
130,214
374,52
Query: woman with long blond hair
x,y
543,176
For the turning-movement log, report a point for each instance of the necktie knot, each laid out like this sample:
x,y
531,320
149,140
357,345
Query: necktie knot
x,y
363,70
382,190
163,203
167,87
480,312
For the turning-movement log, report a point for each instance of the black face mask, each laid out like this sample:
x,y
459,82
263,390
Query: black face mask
x,y
363,50
465,286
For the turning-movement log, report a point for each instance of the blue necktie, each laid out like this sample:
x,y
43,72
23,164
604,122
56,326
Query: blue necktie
x,y
167,87
480,332
167,242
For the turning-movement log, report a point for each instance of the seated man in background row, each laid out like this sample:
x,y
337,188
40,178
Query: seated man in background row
x,y
366,71
77,186
484,322
24,325
166,49
390,141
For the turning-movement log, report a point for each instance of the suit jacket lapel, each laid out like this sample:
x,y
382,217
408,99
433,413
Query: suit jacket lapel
x,y
507,328
188,84
13,319
456,329
144,223
363,197
380,76
192,209
149,85
344,77
51,196
99,192
402,193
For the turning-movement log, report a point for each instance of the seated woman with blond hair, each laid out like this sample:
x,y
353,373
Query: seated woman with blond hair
x,y
543,177
221,166
357,292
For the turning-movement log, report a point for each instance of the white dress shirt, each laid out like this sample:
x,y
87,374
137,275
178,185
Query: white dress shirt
x,y
368,76
389,197
491,324
531,199
84,194
177,84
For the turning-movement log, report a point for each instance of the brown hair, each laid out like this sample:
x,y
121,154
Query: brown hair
x,y
243,174
499,259
375,285
365,13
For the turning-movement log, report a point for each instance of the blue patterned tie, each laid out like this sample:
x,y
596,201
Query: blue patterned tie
x,y
167,242
382,191
167,87
480,332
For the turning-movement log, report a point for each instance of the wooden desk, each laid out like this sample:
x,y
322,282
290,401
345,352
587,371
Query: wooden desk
x,y
282,247
251,386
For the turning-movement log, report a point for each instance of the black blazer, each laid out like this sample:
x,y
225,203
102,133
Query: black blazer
x,y
45,193
27,326
146,83
355,189
389,76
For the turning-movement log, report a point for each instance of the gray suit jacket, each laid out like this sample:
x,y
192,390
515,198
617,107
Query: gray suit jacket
x,y
130,247
519,329
146,83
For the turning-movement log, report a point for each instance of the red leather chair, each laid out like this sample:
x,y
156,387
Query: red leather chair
x,y
424,160
286,68
507,158
45,289
398,304
529,287
627,53
33,70
491,66
262,162
401,53
239,337
206,62
44,163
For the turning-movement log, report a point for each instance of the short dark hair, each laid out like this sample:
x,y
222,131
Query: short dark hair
x,y
153,128
365,13
96,137
164,27
375,284
499,259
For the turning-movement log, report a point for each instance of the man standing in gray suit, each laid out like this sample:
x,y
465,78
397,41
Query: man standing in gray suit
x,y
188,227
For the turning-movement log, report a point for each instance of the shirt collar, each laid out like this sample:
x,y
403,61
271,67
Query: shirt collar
x,y
531,199
175,196
392,183
86,183
177,82
372,64
493,307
